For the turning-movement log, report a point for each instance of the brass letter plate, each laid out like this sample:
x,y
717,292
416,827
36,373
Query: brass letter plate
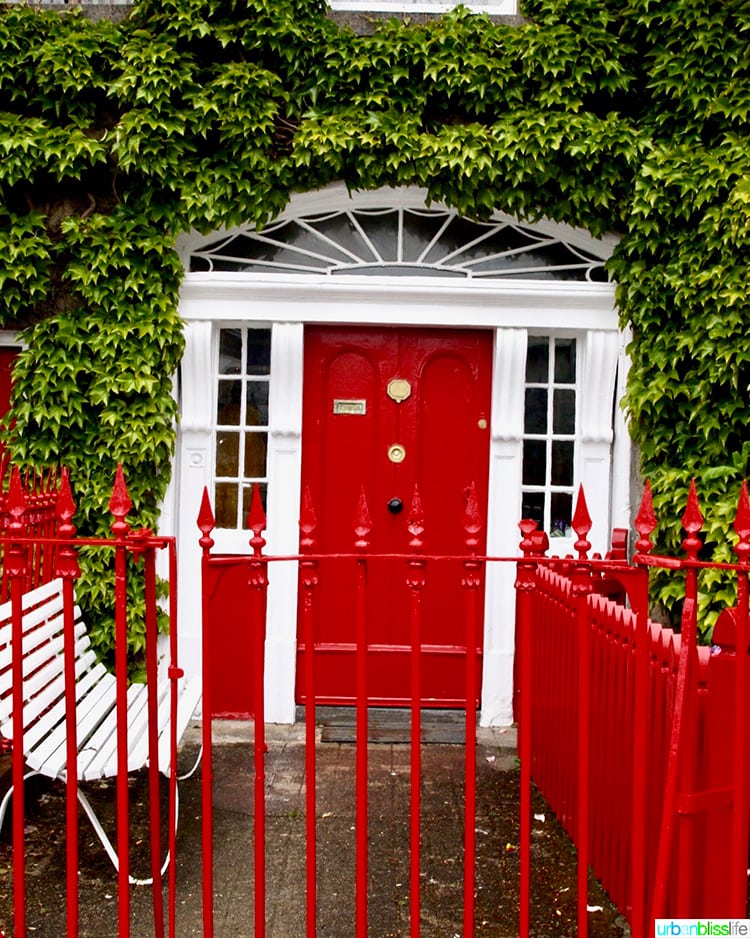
x,y
349,407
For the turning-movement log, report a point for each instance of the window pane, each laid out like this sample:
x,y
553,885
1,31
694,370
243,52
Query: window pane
x,y
535,412
226,505
256,445
257,404
561,504
537,361
382,230
534,462
341,228
230,352
228,403
564,412
227,453
562,462
532,506
419,230
258,351
565,361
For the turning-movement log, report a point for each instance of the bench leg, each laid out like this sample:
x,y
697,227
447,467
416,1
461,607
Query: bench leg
x,y
107,843
8,795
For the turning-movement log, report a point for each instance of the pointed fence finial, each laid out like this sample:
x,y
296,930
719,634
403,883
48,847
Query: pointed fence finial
x,y
65,506
692,522
362,522
307,522
581,524
645,522
15,559
16,501
120,504
472,520
415,521
742,525
527,526
206,521
66,557
256,521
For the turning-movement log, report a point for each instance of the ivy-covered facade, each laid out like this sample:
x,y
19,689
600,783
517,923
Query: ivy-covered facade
x,y
133,151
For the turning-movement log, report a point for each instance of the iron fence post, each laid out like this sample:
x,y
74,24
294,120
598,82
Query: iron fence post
x,y
68,569
206,524
15,565
119,506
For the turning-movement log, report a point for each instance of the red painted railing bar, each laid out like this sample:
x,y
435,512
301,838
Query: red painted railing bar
x,y
68,569
149,560
581,524
471,581
645,524
738,890
175,673
259,586
692,523
206,524
415,581
15,565
362,528
525,580
119,506
308,524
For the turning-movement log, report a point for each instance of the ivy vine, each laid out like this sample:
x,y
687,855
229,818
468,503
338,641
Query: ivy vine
x,y
615,115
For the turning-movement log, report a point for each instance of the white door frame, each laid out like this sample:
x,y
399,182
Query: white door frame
x,y
511,309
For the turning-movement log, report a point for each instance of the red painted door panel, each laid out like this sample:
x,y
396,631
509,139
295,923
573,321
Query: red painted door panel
x,y
350,425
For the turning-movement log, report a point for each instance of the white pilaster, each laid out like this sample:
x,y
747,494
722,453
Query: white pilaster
x,y
504,511
596,401
195,447
284,473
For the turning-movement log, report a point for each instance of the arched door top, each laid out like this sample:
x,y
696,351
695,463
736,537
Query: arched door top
x,y
392,233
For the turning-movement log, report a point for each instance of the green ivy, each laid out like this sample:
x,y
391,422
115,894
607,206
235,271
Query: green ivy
x,y
616,115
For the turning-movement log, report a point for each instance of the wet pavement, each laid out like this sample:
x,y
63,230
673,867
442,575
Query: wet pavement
x,y
441,873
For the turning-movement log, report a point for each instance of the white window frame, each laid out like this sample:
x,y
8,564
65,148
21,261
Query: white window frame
x,y
493,7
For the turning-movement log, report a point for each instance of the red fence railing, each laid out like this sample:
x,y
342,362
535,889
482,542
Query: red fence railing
x,y
634,733
40,489
69,719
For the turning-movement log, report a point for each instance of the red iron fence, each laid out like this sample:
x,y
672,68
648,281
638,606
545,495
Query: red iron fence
x,y
636,734
65,716
38,518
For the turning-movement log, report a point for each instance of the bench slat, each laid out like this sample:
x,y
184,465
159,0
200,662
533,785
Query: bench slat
x,y
96,714
92,710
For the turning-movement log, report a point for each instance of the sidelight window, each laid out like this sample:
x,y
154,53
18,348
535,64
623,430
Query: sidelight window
x,y
241,427
549,438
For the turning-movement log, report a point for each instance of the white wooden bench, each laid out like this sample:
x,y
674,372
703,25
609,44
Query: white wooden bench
x,y
44,733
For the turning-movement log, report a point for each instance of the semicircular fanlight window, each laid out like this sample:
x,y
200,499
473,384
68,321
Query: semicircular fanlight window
x,y
399,242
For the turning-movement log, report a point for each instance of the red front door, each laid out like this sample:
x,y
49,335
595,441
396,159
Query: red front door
x,y
387,409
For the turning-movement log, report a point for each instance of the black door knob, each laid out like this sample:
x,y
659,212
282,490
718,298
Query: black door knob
x,y
395,505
